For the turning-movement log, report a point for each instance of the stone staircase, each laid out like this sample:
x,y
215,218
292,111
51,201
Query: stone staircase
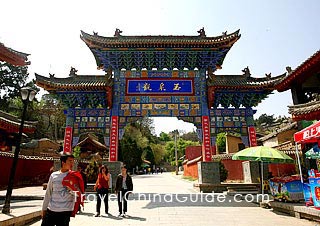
x,y
242,188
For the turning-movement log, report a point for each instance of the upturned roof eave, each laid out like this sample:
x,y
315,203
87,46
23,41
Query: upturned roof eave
x,y
96,41
12,56
224,81
52,84
302,71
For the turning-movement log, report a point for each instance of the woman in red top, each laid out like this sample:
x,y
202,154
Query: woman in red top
x,y
102,186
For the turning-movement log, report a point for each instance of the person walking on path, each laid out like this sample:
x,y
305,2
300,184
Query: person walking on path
x,y
102,186
124,187
59,201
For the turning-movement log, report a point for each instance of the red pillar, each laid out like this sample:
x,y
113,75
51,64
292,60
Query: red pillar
x,y
206,144
114,139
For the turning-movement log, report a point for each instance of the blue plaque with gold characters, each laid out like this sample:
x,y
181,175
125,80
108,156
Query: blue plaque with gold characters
x,y
179,86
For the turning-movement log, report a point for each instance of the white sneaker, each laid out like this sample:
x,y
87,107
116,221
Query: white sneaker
x,y
120,215
124,215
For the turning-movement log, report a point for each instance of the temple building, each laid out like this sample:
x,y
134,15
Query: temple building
x,y
304,83
167,76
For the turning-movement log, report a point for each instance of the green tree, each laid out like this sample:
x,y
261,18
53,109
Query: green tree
x,y
12,78
149,155
181,147
76,152
221,142
159,152
130,152
164,137
265,119
51,119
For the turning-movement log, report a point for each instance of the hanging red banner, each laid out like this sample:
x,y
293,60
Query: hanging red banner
x,y
252,136
206,147
67,146
113,152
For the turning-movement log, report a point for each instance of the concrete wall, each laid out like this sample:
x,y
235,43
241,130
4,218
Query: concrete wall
x,y
232,144
234,169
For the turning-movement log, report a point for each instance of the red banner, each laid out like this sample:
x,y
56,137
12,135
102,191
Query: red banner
x,y
113,152
252,136
311,134
67,147
206,147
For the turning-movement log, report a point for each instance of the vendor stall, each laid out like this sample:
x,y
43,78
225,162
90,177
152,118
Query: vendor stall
x,y
310,135
287,188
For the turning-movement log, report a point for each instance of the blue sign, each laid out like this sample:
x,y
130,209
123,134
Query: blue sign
x,y
160,86
315,190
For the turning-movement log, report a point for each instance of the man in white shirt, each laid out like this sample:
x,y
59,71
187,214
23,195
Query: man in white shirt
x,y
58,202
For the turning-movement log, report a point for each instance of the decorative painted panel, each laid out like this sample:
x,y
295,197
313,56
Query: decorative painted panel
x,y
231,119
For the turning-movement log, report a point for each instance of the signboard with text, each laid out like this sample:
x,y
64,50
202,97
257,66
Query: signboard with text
x,y
113,152
159,86
206,147
252,136
67,147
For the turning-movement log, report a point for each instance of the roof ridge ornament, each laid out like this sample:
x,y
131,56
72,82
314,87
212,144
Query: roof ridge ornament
x,y
117,33
268,76
289,70
246,72
73,72
202,32
224,33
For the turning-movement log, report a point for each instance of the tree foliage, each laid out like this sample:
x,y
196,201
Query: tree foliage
x,y
130,152
12,79
181,147
51,117
265,119
149,155
158,152
221,142
164,137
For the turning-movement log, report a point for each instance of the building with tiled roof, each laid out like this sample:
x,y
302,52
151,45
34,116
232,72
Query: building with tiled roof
x,y
304,83
13,57
9,129
280,135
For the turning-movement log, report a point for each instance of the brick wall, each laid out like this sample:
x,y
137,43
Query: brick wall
x,y
191,169
193,152
234,168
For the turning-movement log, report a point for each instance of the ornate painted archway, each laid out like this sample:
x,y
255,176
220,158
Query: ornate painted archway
x,y
154,76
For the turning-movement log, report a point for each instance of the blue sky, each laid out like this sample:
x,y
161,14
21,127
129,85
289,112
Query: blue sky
x,y
274,34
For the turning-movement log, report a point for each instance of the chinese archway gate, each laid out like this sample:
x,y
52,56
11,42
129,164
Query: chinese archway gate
x,y
154,76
